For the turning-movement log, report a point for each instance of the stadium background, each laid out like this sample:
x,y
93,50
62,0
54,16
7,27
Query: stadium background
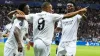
x,y
88,32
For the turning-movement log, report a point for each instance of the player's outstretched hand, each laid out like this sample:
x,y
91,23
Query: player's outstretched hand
x,y
83,10
28,46
20,48
31,43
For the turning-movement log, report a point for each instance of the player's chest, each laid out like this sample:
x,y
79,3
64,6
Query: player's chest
x,y
69,21
23,28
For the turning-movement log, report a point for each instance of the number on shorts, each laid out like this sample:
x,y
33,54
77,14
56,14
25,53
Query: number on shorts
x,y
41,23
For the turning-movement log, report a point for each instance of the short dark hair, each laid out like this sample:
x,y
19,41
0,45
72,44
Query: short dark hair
x,y
72,3
21,6
45,5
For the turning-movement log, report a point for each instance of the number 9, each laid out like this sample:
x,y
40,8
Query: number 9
x,y
41,23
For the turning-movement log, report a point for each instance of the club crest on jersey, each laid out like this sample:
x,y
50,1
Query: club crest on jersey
x,y
21,23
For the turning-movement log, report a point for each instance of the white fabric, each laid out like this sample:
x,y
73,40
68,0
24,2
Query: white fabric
x,y
27,40
40,49
69,28
67,48
11,42
46,34
13,52
8,26
9,51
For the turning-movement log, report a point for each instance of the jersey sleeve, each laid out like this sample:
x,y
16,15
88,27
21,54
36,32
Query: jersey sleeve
x,y
79,16
27,27
59,24
57,17
29,17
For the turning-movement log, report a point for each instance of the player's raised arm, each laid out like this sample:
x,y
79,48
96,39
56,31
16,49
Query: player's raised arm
x,y
10,14
28,17
20,16
74,13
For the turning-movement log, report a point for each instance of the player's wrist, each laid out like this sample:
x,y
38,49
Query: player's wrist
x,y
19,43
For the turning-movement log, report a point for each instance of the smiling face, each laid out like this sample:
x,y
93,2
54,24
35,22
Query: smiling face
x,y
24,7
70,7
46,6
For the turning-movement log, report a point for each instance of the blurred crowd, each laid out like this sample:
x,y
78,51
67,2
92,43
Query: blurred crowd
x,y
4,9
65,1
89,28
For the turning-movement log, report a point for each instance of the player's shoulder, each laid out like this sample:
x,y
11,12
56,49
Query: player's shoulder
x,y
16,20
32,14
78,15
43,13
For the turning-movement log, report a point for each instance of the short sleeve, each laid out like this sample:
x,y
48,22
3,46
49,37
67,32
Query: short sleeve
x,y
59,24
29,17
79,16
27,27
57,17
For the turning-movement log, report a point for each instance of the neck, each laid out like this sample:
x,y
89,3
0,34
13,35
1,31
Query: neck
x,y
45,10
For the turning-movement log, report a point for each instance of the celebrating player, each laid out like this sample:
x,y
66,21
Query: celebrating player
x,y
15,45
69,27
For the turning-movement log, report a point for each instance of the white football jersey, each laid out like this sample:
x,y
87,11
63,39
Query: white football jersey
x,y
23,26
69,28
8,26
43,25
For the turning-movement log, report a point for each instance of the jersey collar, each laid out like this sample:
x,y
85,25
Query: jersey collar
x,y
44,12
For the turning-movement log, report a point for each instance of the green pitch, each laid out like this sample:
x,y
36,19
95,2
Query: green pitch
x,y
81,50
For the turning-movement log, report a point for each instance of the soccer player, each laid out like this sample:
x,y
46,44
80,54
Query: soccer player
x,y
7,30
69,26
15,45
43,27
57,38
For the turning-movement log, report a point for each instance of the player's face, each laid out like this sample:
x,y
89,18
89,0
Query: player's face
x,y
50,8
70,7
27,9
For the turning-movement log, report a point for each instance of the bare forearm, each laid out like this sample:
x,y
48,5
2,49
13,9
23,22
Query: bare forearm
x,y
17,36
20,16
68,15
75,13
